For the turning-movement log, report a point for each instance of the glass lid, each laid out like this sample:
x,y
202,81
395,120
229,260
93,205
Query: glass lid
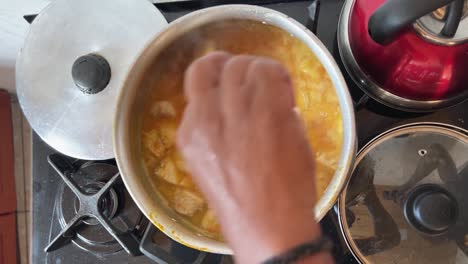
x,y
407,200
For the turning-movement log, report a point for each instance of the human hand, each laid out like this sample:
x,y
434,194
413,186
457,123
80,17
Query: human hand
x,y
247,151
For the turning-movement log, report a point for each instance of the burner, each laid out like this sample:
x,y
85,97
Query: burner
x,y
95,211
108,204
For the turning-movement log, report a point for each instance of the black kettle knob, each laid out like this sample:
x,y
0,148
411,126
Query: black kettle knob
x,y
431,209
393,16
91,73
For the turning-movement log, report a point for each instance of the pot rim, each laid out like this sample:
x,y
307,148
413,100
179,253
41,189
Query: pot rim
x,y
149,207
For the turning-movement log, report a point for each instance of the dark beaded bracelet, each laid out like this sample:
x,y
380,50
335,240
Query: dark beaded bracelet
x,y
302,251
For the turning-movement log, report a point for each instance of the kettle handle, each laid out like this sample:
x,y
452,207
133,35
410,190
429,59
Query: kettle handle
x,y
454,16
394,15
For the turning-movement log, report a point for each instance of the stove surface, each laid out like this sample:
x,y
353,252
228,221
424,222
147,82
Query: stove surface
x,y
51,212
49,215
54,204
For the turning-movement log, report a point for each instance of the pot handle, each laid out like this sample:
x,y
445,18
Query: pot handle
x,y
394,15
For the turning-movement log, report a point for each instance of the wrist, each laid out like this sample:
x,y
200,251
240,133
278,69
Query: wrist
x,y
255,246
306,252
321,258
291,236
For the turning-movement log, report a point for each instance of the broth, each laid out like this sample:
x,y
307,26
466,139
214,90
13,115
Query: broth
x,y
316,101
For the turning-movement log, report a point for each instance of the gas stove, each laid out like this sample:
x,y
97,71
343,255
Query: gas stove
x,y
82,212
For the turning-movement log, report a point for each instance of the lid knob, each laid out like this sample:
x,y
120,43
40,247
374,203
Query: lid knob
x,y
431,209
91,73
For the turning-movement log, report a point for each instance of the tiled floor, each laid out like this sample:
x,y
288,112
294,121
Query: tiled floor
x,y
22,142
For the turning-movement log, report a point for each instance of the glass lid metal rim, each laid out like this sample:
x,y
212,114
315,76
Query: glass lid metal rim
x,y
442,128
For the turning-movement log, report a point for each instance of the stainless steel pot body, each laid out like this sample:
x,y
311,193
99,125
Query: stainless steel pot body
x,y
127,121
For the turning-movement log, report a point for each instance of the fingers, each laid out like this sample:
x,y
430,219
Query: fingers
x,y
252,80
202,114
241,80
202,76
222,89
235,95
273,86
201,89
184,136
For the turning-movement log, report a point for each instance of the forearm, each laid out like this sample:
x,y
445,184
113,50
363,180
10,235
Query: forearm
x,y
322,258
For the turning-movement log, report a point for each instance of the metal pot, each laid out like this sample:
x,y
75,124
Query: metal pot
x,y
129,108
401,55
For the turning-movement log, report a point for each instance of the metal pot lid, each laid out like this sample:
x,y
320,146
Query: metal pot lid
x,y
369,83
432,25
72,66
406,201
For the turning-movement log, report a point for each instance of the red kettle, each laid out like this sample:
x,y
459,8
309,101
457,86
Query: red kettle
x,y
411,55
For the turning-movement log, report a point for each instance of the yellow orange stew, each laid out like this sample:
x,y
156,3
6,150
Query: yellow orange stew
x,y
316,101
